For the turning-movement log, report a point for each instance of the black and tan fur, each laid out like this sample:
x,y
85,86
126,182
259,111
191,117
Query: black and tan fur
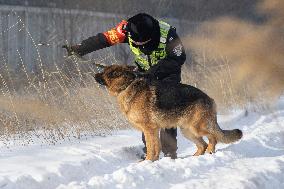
x,y
150,106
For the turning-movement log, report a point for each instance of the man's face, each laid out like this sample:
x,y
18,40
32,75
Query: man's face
x,y
138,37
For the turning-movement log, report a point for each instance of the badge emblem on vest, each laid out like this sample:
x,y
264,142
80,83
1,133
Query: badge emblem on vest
x,y
178,50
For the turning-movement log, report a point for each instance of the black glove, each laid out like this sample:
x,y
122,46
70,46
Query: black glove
x,y
165,70
153,72
71,49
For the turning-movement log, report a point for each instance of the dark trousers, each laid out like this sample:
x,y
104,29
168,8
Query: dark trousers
x,y
168,139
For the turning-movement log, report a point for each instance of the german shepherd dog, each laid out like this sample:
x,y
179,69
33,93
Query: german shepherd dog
x,y
150,106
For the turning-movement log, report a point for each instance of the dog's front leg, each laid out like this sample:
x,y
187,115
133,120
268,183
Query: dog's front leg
x,y
152,143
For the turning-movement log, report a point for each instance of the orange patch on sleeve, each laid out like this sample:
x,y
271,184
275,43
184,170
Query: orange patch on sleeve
x,y
114,37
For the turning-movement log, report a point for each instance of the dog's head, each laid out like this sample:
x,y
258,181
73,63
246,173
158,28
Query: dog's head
x,y
115,77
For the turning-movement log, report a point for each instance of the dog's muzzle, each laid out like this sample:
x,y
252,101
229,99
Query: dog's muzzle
x,y
99,79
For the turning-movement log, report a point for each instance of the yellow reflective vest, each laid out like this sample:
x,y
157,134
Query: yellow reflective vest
x,y
146,61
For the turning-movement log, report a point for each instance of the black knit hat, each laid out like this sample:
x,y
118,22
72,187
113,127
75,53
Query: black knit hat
x,y
141,26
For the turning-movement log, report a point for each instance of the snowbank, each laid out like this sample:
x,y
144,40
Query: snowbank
x,y
257,161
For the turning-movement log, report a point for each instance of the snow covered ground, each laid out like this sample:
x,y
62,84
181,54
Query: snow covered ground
x,y
257,161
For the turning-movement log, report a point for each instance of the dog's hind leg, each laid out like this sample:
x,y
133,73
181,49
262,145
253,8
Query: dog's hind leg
x,y
198,140
201,146
152,143
203,131
212,143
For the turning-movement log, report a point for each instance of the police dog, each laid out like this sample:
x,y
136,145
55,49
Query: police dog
x,y
151,105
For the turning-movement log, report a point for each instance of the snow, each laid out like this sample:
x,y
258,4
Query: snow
x,y
256,161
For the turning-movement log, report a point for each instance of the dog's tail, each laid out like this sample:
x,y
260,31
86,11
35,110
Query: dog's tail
x,y
227,136
224,136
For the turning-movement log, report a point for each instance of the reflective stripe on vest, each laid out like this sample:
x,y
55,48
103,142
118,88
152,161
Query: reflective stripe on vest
x,y
160,53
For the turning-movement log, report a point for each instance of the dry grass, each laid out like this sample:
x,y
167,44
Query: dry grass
x,y
239,62
62,105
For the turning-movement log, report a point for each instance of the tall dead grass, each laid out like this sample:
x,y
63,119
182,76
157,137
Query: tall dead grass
x,y
239,62
67,103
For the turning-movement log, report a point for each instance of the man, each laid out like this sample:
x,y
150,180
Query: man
x,y
158,52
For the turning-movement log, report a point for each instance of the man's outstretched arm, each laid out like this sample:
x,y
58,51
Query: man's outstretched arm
x,y
102,40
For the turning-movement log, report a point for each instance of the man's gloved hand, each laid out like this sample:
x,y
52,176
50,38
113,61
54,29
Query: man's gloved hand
x,y
166,70
153,72
71,49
